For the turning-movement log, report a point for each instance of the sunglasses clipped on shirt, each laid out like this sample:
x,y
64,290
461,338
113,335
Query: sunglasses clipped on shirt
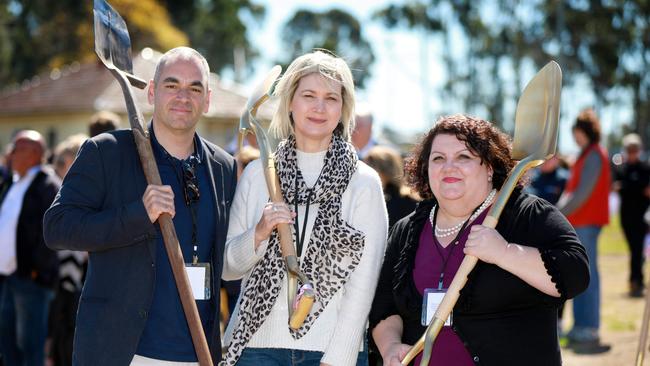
x,y
191,186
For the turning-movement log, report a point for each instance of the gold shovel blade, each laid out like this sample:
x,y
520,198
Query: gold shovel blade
x,y
538,108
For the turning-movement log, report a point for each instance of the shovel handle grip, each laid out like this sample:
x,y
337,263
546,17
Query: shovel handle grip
x,y
302,310
284,230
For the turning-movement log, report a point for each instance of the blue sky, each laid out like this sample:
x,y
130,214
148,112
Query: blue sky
x,y
398,94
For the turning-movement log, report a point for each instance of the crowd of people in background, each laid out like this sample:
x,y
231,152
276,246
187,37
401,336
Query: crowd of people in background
x,y
40,288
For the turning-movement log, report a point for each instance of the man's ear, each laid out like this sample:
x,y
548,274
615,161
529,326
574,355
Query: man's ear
x,y
150,92
207,102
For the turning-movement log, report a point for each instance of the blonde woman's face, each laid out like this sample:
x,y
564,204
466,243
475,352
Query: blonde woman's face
x,y
316,108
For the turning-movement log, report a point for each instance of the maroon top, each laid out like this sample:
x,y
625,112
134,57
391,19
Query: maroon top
x,y
448,349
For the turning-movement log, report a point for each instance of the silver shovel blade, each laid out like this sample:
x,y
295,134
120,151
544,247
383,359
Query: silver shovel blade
x,y
112,42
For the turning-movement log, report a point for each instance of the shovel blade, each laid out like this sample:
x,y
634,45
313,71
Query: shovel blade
x,y
248,123
257,97
112,41
537,115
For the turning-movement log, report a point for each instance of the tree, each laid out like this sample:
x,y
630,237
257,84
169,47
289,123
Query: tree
x,y
47,34
606,42
36,35
217,28
334,30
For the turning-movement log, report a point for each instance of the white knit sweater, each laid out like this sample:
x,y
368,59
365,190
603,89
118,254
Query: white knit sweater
x,y
339,330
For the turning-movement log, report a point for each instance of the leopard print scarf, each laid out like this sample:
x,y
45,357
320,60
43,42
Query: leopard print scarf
x,y
333,252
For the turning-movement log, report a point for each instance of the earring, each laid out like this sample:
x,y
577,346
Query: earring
x,y
489,178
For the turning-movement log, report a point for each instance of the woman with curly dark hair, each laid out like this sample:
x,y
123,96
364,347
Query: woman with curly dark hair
x,y
529,264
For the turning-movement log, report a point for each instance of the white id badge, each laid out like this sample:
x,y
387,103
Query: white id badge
x,y
199,276
431,300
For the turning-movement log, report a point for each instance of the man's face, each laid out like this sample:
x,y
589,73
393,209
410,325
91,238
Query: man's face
x,y
180,96
25,154
362,131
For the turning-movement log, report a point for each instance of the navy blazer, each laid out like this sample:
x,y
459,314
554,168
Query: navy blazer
x,y
99,209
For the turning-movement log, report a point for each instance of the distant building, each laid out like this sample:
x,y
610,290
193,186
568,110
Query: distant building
x,y
61,102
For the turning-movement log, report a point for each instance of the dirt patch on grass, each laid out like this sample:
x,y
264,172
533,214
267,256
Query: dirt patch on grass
x,y
621,318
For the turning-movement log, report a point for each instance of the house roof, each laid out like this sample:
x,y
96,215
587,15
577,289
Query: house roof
x,y
91,87
73,88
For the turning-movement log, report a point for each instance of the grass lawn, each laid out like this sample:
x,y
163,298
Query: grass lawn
x,y
612,240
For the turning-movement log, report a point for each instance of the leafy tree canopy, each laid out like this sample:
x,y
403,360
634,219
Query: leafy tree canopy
x,y
334,30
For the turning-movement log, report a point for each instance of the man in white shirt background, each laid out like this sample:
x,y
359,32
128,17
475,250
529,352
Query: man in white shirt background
x,y
28,268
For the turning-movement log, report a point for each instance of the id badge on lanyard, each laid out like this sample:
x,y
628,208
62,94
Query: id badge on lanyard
x,y
199,278
430,303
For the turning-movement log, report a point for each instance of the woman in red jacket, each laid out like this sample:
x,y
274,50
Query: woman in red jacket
x,y
585,204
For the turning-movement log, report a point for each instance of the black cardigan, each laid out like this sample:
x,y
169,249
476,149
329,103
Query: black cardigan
x,y
501,319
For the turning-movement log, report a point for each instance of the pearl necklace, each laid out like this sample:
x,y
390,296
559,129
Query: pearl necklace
x,y
443,233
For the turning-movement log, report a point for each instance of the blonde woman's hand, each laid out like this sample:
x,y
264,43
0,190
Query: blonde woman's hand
x,y
272,215
486,244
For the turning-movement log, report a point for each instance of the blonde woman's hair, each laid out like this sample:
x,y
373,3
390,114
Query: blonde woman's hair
x,y
327,65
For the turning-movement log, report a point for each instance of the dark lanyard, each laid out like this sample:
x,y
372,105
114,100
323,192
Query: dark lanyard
x,y
453,242
300,240
172,160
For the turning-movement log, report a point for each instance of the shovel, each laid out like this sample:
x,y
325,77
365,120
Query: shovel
x,y
643,336
299,305
113,47
536,126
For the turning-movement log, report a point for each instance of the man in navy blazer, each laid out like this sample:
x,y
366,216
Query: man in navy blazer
x,y
129,311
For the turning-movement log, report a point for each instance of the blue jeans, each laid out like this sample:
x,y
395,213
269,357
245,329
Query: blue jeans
x,y
586,306
24,309
288,357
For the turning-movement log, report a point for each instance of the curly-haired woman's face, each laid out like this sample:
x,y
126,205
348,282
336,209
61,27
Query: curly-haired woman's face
x,y
455,173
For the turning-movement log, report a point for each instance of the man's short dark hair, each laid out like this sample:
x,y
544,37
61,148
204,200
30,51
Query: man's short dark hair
x,y
103,121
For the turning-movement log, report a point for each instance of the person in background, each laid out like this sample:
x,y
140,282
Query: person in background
x,y
585,204
65,153
245,156
388,164
103,121
231,288
30,268
336,207
548,182
72,265
632,182
362,135
507,312
549,179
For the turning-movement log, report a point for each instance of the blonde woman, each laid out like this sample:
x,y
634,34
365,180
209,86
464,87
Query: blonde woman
x,y
337,211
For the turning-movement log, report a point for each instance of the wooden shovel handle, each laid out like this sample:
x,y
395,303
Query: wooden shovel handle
x,y
643,337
